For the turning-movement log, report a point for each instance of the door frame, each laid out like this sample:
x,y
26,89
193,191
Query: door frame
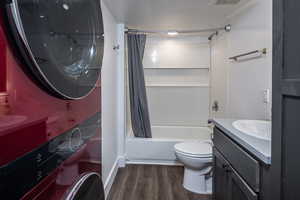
x,y
275,184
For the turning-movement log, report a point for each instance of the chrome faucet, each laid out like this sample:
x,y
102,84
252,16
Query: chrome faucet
x,y
215,106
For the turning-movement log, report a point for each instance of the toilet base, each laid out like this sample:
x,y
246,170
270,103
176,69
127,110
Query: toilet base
x,y
197,181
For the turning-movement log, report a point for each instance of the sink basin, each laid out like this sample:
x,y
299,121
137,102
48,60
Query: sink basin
x,y
11,120
254,128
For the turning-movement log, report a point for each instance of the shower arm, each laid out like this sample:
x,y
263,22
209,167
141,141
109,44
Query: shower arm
x,y
227,28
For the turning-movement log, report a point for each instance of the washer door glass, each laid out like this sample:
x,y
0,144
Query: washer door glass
x,y
88,187
65,41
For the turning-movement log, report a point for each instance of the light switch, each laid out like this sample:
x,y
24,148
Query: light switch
x,y
266,96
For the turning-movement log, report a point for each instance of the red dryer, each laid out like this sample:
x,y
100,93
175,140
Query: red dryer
x,y
50,63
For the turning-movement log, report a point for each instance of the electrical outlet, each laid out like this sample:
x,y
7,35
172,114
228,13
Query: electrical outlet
x,y
266,94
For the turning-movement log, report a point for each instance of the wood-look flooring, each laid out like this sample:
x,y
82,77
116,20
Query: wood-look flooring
x,y
151,182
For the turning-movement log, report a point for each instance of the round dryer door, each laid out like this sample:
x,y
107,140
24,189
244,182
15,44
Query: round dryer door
x,y
88,187
61,43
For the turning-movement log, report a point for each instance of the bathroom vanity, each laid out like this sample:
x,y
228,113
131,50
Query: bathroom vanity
x,y
241,164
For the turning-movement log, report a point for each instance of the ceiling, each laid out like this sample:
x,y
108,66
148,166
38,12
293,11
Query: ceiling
x,y
170,14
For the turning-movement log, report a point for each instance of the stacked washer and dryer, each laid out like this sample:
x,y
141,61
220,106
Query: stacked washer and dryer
x,y
50,110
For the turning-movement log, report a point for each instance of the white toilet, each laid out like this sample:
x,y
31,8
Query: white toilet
x,y
197,160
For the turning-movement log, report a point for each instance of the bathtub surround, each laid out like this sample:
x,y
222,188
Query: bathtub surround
x,y
177,80
137,90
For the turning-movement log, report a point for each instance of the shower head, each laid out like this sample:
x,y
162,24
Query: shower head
x,y
225,2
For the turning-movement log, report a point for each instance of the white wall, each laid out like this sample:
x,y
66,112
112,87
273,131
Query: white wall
x,y
109,96
246,80
121,76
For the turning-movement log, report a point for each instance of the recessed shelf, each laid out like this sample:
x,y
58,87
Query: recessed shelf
x,y
177,85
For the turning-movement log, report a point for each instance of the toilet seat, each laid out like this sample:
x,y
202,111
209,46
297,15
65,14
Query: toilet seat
x,y
194,149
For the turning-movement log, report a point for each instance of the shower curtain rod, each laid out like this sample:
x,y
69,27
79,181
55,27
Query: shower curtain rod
x,y
227,28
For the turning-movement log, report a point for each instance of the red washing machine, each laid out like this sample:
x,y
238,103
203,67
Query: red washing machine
x,y
50,136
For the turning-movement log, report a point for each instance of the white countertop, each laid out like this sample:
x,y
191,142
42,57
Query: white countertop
x,y
259,148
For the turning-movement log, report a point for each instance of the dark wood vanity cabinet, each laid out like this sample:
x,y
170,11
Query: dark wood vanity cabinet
x,y
237,175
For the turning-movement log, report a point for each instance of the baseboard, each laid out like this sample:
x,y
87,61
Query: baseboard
x,y
122,161
154,162
111,177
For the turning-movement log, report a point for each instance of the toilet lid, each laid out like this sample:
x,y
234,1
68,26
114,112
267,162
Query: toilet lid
x,y
195,149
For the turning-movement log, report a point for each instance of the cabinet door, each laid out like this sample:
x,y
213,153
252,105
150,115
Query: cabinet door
x,y
285,176
221,177
238,188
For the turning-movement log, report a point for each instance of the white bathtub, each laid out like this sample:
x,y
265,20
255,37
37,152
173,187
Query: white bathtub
x,y
160,148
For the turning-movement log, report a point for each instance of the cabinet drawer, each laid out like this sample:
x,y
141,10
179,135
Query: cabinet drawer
x,y
246,166
238,184
232,184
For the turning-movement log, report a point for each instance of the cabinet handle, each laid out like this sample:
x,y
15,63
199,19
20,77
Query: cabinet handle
x,y
224,166
227,168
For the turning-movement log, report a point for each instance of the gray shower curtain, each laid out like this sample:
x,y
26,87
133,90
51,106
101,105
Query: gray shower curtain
x,y
137,90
